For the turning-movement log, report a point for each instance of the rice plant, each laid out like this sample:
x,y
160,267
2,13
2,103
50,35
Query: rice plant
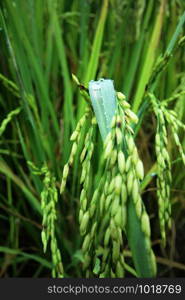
x,y
92,138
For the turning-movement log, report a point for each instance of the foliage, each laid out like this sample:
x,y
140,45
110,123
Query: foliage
x,y
138,44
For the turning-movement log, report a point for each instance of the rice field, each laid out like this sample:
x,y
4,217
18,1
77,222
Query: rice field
x,y
92,143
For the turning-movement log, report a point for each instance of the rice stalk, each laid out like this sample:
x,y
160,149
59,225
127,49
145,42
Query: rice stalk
x,y
164,177
49,199
8,119
119,187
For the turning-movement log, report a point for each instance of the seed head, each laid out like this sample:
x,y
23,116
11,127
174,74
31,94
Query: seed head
x,y
135,190
113,157
130,143
119,136
117,184
145,224
75,79
138,207
108,149
44,240
121,96
132,116
123,193
86,243
65,171
121,162
84,223
128,164
140,170
115,205
118,217
130,181
107,237
107,202
74,135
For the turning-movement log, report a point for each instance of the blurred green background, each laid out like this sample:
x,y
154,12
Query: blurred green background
x,y
42,42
